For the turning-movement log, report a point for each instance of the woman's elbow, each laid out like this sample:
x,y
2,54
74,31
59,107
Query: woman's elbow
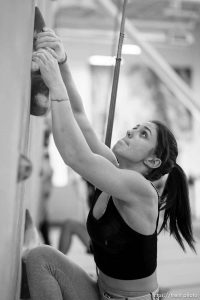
x,y
73,157
67,156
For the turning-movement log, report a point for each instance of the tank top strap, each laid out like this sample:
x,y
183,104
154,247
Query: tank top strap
x,y
157,221
156,191
158,204
95,197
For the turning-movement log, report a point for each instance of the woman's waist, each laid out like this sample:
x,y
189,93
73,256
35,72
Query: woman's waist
x,y
137,287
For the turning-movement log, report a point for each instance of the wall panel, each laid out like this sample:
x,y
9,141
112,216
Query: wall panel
x,y
16,35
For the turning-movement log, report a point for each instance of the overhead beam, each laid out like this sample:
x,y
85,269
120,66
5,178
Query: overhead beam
x,y
190,1
178,87
139,23
105,36
162,24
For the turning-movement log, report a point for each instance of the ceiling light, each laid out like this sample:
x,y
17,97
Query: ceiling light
x,y
131,49
102,60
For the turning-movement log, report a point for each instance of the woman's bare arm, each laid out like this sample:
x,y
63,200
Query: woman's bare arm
x,y
48,39
126,185
93,141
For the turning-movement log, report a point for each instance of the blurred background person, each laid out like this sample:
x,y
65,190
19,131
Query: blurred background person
x,y
70,227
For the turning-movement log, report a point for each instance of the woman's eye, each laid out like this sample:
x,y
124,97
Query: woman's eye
x,y
144,133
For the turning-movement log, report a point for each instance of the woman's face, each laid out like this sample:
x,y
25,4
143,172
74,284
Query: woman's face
x,y
138,144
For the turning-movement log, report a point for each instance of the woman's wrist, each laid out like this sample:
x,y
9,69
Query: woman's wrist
x,y
63,61
58,92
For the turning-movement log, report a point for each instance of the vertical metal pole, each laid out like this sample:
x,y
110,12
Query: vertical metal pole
x,y
115,80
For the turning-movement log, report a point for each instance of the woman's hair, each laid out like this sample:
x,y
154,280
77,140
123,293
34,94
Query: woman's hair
x,y
175,196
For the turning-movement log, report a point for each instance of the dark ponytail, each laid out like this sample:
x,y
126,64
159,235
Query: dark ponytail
x,y
175,202
175,197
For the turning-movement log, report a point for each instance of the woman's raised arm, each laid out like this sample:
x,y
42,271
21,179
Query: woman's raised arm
x,y
93,141
49,39
122,184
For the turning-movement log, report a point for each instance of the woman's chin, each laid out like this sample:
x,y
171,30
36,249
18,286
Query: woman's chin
x,y
117,148
116,152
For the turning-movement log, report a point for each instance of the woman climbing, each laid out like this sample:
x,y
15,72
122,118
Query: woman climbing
x,y
123,220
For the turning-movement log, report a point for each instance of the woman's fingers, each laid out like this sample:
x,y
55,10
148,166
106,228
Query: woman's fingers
x,y
34,66
49,34
45,45
38,56
44,39
43,55
42,34
46,59
47,41
47,51
52,52
47,29
36,62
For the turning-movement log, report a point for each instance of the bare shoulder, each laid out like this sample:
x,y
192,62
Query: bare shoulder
x,y
141,213
140,188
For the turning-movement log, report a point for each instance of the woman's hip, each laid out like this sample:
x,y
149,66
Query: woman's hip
x,y
116,294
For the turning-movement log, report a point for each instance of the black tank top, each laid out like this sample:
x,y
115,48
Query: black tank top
x,y
119,251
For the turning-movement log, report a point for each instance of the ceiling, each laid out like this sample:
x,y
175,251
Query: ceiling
x,y
175,18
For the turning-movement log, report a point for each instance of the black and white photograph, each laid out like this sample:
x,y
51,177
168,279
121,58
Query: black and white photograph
x,y
100,150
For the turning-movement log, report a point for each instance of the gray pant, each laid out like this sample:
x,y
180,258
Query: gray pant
x,y
51,276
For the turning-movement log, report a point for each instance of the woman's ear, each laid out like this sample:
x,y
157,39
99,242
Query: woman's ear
x,y
152,162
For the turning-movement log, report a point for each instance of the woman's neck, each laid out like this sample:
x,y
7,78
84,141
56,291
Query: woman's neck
x,y
137,167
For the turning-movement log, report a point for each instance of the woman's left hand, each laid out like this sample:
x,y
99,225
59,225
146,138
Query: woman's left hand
x,y
50,72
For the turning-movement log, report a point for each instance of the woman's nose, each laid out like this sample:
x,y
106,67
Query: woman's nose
x,y
129,134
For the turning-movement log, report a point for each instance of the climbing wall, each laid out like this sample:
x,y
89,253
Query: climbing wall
x,y
16,36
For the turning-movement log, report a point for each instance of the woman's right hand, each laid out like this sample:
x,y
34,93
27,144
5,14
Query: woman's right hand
x,y
50,72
